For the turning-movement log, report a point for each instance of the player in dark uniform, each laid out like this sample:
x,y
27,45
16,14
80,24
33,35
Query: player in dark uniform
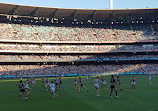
x,y
89,75
60,82
22,90
43,80
56,83
47,84
81,84
76,82
104,84
112,83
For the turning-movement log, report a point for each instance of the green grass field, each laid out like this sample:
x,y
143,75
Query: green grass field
x,y
144,99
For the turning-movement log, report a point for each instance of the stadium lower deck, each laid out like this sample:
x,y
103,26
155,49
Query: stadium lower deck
x,y
57,70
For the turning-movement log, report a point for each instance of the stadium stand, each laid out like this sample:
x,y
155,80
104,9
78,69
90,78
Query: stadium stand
x,y
77,69
33,57
68,41
61,33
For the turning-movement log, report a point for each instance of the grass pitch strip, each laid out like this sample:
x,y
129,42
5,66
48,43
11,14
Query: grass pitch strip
x,y
144,99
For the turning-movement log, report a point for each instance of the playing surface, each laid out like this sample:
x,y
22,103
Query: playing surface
x,y
144,99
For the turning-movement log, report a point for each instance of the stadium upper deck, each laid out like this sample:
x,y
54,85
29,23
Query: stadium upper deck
x,y
84,25
124,15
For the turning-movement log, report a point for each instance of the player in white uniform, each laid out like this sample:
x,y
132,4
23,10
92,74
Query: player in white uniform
x,y
149,78
96,85
133,83
20,78
119,83
27,87
33,82
52,87
87,78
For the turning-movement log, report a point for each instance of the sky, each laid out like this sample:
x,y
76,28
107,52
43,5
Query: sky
x,y
87,4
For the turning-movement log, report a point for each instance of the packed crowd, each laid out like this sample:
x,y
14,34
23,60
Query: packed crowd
x,y
23,32
33,57
75,69
78,48
90,33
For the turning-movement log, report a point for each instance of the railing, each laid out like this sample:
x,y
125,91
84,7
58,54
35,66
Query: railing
x,y
72,75
74,42
74,52
79,60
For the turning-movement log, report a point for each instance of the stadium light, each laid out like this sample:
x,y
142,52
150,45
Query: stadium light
x,y
111,4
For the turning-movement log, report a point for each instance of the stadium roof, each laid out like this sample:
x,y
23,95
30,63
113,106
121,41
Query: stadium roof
x,y
22,10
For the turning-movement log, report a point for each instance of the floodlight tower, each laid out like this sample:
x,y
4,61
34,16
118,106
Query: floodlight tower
x,y
111,4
